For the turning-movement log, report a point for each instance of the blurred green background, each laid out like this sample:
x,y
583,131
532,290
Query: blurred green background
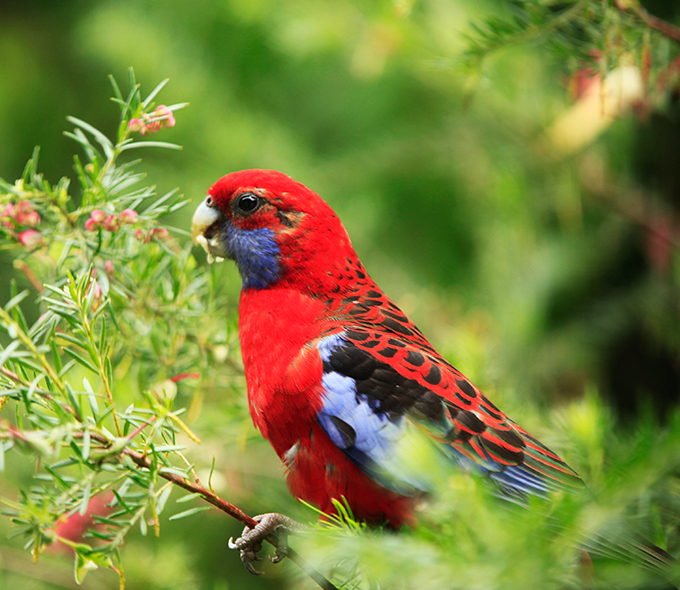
x,y
533,279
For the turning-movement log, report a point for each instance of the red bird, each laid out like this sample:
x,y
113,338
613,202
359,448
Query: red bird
x,y
340,382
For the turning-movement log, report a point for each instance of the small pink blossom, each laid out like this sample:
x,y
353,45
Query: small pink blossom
x,y
152,127
97,298
152,122
8,211
108,268
112,223
161,233
128,216
166,113
135,125
22,207
30,239
181,376
22,213
91,225
141,235
98,215
32,219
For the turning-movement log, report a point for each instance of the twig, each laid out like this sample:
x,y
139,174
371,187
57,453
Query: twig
x,y
194,487
30,275
632,203
654,22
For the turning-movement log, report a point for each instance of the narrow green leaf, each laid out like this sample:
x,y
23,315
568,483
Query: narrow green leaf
x,y
187,498
86,445
74,402
142,526
104,141
157,144
20,318
104,415
56,356
177,106
71,339
162,499
16,300
189,512
116,90
87,490
92,398
154,92
81,360
7,353
67,367
122,503
99,535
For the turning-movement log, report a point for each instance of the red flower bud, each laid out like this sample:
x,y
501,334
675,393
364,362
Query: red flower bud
x,y
30,239
128,216
98,216
136,125
8,211
91,225
112,223
161,233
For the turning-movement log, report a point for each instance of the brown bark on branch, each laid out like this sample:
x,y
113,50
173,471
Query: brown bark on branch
x,y
653,22
209,496
233,511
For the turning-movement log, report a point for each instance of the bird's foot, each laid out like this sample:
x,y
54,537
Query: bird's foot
x,y
250,541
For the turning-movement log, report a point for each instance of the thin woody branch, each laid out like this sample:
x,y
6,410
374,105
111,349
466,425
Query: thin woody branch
x,y
653,22
233,511
195,487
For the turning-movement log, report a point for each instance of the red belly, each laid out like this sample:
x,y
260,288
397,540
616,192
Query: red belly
x,y
320,472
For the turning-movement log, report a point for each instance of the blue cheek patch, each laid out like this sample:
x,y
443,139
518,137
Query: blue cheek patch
x,y
256,253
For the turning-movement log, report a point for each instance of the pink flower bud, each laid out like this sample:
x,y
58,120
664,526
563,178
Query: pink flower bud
x,y
152,127
112,223
161,233
97,296
25,214
8,211
136,125
140,235
98,216
128,216
22,208
166,113
181,376
108,268
91,225
31,219
30,239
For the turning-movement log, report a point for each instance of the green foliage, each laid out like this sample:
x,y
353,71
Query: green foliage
x,y
119,299
550,280
595,38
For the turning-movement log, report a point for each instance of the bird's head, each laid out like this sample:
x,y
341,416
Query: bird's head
x,y
276,230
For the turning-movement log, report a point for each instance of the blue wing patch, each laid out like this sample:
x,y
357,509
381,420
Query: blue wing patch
x,y
355,424
379,435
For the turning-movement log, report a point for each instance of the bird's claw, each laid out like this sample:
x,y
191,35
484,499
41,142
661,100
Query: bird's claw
x,y
250,541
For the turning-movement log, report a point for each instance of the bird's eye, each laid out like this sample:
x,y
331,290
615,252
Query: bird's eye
x,y
248,202
209,202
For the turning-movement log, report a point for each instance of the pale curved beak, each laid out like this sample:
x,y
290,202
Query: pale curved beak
x,y
205,217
